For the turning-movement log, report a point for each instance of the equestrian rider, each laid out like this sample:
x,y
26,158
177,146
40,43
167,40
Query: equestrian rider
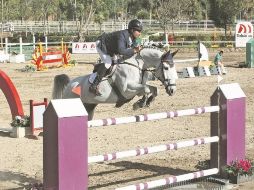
x,y
113,45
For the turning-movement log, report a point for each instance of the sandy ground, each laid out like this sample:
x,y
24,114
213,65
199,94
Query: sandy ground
x,y
21,159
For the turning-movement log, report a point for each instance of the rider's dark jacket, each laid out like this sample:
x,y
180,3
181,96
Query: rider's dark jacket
x,y
116,43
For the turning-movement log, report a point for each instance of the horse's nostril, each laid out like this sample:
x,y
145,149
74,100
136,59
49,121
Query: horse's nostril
x,y
170,91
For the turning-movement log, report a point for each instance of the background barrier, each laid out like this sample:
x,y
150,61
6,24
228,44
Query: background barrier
x,y
50,57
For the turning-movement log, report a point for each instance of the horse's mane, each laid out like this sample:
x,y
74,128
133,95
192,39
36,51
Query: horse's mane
x,y
149,54
151,51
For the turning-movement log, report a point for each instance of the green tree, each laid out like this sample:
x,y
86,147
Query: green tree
x,y
170,12
247,9
224,12
86,10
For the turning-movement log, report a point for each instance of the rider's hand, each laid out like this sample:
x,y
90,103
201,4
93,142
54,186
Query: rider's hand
x,y
137,49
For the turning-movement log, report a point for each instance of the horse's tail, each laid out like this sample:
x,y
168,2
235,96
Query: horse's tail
x,y
60,82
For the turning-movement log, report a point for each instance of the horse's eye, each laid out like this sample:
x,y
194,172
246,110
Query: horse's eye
x,y
166,68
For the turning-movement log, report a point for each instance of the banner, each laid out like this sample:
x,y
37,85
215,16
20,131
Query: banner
x,y
84,47
243,33
203,53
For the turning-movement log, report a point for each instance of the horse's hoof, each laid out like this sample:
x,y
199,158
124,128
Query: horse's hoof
x,y
138,104
149,100
135,106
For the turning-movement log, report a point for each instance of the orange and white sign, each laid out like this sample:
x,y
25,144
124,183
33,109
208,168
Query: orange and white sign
x,y
84,47
243,33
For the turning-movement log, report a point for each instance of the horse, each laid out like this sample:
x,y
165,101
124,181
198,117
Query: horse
x,y
129,79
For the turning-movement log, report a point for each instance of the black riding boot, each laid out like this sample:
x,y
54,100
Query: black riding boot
x,y
101,71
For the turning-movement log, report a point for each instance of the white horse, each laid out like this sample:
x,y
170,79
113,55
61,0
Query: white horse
x,y
127,80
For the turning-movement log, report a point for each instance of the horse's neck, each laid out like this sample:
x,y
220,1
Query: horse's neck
x,y
148,58
149,64
135,61
151,57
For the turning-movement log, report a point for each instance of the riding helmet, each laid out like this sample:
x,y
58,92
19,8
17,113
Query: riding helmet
x,y
135,24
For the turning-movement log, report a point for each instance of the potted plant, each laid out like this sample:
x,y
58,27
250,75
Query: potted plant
x,y
240,171
20,126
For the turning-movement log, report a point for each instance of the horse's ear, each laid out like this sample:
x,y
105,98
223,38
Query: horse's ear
x,y
166,54
175,52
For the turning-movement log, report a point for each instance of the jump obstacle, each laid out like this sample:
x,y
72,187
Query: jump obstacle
x,y
11,95
50,57
13,99
66,159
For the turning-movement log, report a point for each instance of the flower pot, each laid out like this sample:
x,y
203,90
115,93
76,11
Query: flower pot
x,y
240,178
19,132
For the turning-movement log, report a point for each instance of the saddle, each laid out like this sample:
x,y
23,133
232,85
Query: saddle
x,y
108,73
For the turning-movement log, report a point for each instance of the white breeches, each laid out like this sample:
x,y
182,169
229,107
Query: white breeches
x,y
105,58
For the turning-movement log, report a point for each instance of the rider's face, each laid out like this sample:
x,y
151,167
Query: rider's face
x,y
136,33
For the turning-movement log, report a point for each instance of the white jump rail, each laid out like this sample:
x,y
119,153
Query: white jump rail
x,y
185,60
151,117
170,180
152,149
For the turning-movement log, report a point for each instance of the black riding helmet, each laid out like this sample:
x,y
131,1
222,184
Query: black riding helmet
x,y
135,24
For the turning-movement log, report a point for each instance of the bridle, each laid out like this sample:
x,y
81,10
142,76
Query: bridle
x,y
165,80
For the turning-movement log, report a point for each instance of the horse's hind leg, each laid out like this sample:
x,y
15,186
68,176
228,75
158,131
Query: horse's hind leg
x,y
90,110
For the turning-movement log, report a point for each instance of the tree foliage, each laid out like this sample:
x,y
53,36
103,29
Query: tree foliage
x,y
224,12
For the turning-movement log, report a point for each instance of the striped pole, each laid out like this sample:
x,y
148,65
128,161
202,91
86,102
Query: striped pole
x,y
153,149
153,116
170,180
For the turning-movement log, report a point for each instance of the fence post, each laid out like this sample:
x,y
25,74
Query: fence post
x,y
65,145
6,45
229,125
20,46
46,43
33,42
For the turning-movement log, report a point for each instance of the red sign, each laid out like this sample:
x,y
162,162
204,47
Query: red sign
x,y
243,33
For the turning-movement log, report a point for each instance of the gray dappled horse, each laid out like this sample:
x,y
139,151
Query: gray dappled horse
x,y
128,80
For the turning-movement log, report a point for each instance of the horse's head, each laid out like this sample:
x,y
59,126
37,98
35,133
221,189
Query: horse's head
x,y
164,67
166,72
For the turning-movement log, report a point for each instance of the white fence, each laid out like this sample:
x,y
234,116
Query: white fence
x,y
72,26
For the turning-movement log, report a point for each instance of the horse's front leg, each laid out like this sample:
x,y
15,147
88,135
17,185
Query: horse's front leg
x,y
151,97
139,89
147,98
141,102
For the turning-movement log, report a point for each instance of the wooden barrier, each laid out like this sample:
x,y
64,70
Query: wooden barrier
x,y
52,58
65,158
36,115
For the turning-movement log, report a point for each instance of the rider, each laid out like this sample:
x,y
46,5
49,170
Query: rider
x,y
115,45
